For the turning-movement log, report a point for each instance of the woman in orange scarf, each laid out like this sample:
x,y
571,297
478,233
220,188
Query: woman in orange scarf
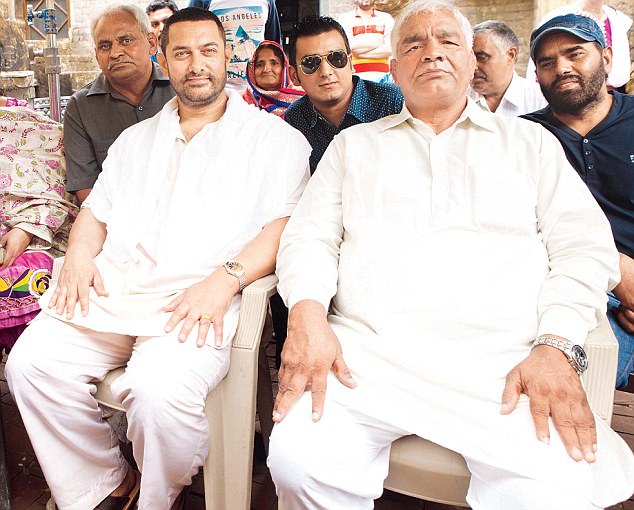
x,y
269,87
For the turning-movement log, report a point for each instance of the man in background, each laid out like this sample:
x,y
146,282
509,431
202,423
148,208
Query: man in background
x,y
368,31
130,88
596,129
496,86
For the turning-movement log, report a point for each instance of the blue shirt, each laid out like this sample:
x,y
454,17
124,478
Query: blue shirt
x,y
370,101
604,159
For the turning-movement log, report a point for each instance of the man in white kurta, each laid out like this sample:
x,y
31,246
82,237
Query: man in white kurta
x,y
417,284
208,180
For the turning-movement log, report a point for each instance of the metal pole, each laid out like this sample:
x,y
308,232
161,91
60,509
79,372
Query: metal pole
x,y
52,67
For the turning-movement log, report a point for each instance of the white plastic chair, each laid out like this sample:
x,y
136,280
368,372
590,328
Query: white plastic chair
x,y
231,406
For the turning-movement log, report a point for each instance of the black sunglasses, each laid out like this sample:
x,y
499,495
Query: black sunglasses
x,y
336,58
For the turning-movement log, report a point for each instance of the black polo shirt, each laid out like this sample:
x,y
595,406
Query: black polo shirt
x,y
370,101
604,159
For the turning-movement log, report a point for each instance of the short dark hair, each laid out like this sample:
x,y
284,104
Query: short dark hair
x,y
161,4
313,25
190,14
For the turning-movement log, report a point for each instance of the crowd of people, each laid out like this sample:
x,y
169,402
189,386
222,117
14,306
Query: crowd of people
x,y
445,233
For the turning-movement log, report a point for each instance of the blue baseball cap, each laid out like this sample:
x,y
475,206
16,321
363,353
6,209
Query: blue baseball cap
x,y
583,27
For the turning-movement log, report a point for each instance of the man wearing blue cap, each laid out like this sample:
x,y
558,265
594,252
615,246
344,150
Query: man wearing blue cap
x,y
596,128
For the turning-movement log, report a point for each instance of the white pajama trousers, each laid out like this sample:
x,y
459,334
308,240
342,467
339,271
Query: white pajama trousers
x,y
163,390
341,462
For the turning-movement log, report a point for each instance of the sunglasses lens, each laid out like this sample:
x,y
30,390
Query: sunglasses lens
x,y
310,63
338,59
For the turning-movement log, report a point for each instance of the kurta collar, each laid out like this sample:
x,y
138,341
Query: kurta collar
x,y
101,85
514,93
472,112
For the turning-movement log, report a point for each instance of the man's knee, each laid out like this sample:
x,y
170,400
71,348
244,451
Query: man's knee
x,y
289,462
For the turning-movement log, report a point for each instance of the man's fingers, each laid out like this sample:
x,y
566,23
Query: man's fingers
x,y
186,328
512,392
83,292
203,330
288,393
540,412
218,326
626,320
71,301
342,372
173,304
318,394
580,418
98,285
178,315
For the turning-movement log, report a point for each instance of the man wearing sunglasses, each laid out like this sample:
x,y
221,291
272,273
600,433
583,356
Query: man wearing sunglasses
x,y
320,58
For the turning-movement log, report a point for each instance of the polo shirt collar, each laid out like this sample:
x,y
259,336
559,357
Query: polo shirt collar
x,y
101,85
514,93
358,107
472,112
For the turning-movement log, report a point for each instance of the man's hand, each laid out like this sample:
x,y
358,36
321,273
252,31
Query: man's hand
x,y
14,242
204,303
78,274
554,389
624,292
310,351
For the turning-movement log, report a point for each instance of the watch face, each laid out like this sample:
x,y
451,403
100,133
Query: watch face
x,y
579,357
234,266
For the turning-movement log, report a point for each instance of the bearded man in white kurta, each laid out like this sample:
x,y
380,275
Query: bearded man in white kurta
x,y
181,193
431,272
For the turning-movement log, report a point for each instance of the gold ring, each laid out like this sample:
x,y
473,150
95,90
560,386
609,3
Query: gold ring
x,y
205,317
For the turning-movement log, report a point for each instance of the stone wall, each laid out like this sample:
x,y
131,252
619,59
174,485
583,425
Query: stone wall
x,y
79,65
521,15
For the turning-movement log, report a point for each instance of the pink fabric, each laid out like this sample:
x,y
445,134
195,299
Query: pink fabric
x,y
608,32
12,101
21,286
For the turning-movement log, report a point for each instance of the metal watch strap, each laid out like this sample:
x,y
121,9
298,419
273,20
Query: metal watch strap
x,y
564,346
240,275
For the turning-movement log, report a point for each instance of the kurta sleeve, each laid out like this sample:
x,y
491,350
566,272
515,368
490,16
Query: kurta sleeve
x,y
583,260
308,258
100,199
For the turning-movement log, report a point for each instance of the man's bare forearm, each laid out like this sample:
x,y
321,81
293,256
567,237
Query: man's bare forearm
x,y
258,257
87,233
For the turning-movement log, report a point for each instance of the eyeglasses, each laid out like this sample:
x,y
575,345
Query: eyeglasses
x,y
336,58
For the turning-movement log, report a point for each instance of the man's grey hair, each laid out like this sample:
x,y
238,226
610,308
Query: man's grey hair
x,y
133,10
502,35
416,7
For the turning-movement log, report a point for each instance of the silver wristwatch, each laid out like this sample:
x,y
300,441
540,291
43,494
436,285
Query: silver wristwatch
x,y
575,353
234,268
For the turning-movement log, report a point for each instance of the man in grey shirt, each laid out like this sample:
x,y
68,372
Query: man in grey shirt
x,y
129,89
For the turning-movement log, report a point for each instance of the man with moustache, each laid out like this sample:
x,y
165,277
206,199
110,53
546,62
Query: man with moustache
x,y
596,129
157,258
130,88
496,87
450,294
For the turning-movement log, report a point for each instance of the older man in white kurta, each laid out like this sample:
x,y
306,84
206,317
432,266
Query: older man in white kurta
x,y
180,194
467,238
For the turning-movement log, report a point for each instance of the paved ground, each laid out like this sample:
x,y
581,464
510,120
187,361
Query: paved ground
x,y
29,490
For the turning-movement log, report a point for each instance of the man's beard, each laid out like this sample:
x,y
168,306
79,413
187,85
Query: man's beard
x,y
198,98
575,101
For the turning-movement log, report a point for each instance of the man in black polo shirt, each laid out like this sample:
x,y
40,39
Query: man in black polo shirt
x,y
596,129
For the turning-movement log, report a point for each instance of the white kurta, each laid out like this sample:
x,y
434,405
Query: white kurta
x,y
175,211
444,260
522,96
